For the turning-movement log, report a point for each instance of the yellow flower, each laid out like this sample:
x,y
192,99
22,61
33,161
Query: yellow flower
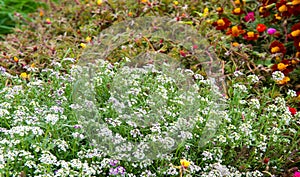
x,y
284,80
250,34
16,59
185,163
24,75
237,10
282,66
275,49
32,65
83,45
88,39
144,1
282,8
99,2
175,3
220,22
48,21
206,11
295,33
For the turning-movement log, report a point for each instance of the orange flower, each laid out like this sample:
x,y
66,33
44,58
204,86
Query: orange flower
x,y
221,24
261,28
285,80
16,59
282,66
277,47
235,31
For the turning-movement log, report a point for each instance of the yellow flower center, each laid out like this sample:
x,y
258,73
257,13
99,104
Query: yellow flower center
x,y
219,9
221,22
282,8
282,66
275,49
250,34
295,33
235,30
237,10
295,2
174,2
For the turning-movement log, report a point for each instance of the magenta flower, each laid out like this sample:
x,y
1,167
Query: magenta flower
x,y
271,31
296,174
250,17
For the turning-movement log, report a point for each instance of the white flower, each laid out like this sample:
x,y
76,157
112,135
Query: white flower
x,y
277,76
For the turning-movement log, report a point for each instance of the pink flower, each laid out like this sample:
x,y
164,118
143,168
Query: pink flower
x,y
271,31
296,174
249,17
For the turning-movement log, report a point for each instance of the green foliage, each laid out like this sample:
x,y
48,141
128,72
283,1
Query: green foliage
x,y
12,11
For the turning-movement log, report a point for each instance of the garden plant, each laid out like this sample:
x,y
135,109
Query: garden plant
x,y
150,88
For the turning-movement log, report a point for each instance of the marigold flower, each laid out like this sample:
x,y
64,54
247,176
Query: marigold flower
x,y
295,33
277,17
41,13
251,36
261,28
184,163
295,2
277,47
237,11
282,66
295,30
285,80
235,31
282,8
222,24
297,43
220,10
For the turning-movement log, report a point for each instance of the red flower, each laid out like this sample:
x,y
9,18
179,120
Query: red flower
x,y
251,36
283,8
285,66
261,28
295,30
266,160
221,24
292,110
297,43
277,47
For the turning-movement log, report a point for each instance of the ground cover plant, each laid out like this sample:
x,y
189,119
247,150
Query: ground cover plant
x,y
257,48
